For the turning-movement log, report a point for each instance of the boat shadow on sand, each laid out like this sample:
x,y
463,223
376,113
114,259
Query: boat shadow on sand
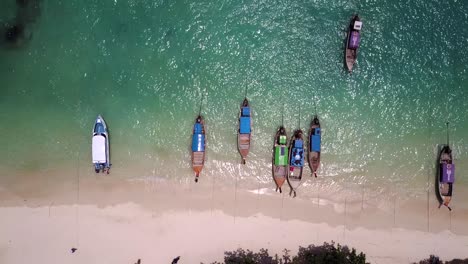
x,y
436,174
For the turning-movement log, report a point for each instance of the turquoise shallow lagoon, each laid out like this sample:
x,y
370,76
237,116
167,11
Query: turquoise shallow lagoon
x,y
145,65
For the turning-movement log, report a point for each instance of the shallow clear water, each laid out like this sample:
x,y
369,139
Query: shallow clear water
x,y
146,65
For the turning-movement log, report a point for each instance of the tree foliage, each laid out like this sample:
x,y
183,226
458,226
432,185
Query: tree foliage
x,y
435,260
328,253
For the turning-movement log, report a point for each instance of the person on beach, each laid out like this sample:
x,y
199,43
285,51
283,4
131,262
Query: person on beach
x,y
174,261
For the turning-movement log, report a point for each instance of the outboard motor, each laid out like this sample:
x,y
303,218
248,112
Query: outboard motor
x,y
97,167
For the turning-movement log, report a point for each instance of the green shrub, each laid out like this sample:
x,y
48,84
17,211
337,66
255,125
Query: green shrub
x,y
435,260
325,254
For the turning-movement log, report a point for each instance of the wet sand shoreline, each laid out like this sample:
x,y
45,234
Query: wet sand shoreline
x,y
158,194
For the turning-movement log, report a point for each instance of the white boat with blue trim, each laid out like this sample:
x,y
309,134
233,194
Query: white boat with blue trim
x,y
100,146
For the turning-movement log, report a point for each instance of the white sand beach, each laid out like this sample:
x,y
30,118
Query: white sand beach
x,y
120,221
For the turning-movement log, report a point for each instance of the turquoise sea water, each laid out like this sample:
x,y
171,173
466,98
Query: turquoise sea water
x,y
145,65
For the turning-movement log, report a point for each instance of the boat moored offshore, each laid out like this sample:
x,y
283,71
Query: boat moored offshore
x,y
352,42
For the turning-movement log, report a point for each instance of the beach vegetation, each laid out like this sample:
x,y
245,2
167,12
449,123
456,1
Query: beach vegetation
x,y
433,259
329,253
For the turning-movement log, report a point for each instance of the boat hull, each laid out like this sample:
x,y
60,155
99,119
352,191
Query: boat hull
x,y
244,137
243,145
280,165
350,58
198,146
444,189
314,156
279,175
296,168
350,55
198,161
100,146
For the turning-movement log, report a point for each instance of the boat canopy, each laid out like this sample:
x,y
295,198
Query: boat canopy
x,y
298,143
99,149
281,156
245,111
244,125
198,142
297,156
448,173
357,25
354,40
282,139
197,128
315,140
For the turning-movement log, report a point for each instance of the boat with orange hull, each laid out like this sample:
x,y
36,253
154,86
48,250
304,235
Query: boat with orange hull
x,y
315,140
280,164
244,133
198,146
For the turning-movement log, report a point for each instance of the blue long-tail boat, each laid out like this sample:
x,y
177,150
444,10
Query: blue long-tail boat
x,y
245,130
296,160
198,146
315,140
